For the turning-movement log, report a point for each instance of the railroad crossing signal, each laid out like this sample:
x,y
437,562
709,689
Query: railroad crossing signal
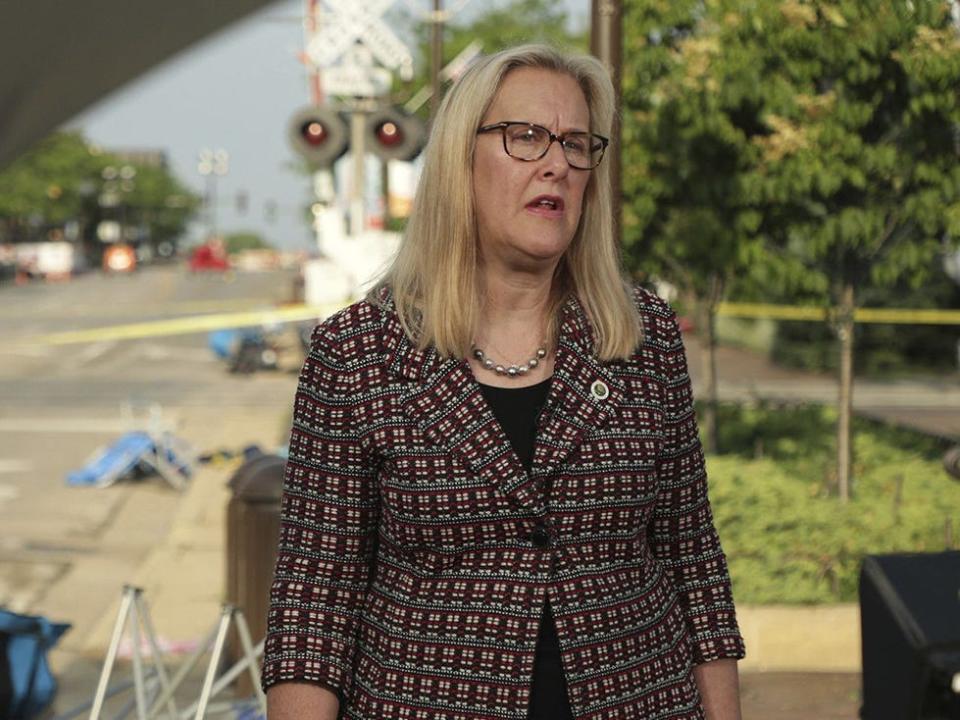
x,y
359,21
320,134
395,135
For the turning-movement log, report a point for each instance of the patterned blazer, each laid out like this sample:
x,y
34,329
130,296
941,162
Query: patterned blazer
x,y
416,552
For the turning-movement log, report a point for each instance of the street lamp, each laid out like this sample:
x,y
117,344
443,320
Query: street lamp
x,y
118,182
213,163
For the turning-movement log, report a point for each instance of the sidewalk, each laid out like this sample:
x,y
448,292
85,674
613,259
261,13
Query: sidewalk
x,y
182,571
930,404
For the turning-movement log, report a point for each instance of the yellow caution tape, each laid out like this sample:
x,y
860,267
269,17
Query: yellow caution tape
x,y
774,312
860,315
186,325
294,313
187,307
913,317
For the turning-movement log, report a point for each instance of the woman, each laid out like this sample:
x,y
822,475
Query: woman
x,y
495,504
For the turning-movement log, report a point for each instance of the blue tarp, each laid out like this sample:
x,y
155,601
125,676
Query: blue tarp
x,y
130,450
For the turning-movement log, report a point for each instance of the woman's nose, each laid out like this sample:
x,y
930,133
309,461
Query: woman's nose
x,y
555,161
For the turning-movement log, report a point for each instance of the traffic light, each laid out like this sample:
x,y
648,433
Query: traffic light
x,y
319,135
394,135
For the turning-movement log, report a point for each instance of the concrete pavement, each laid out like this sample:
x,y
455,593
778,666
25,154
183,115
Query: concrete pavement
x,y
930,404
171,545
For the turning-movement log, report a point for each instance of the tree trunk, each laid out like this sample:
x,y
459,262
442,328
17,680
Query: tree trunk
x,y
706,332
708,356
845,327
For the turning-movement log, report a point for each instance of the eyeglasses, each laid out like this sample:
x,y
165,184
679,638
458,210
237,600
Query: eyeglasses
x,y
526,141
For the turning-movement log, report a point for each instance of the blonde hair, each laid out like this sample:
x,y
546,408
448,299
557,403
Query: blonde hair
x,y
435,280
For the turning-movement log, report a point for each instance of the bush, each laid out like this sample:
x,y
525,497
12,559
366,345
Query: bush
x,y
786,537
240,241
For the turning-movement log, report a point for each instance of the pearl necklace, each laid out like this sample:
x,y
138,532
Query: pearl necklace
x,y
511,370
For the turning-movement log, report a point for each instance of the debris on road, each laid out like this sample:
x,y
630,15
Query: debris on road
x,y
137,452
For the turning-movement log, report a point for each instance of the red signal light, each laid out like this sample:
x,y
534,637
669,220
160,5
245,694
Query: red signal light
x,y
389,134
314,133
394,135
318,134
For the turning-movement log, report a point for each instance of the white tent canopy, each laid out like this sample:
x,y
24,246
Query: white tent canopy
x,y
59,56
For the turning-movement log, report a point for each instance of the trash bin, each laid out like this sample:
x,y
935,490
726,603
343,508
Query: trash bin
x,y
951,462
253,527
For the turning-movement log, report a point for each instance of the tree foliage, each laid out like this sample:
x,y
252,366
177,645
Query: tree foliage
x,y
49,183
496,28
247,240
821,131
804,145
61,179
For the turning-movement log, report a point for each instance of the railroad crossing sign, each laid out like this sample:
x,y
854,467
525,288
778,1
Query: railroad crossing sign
x,y
359,21
357,76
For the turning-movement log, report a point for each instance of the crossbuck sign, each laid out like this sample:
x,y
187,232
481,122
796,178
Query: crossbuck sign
x,y
358,21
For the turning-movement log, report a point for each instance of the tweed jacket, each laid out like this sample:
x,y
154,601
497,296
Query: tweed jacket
x,y
416,552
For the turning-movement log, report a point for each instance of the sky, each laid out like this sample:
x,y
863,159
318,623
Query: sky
x,y
236,91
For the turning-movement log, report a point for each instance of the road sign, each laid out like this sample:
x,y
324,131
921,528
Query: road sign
x,y
356,81
213,161
359,21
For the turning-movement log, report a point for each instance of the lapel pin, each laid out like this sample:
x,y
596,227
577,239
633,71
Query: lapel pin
x,y
599,390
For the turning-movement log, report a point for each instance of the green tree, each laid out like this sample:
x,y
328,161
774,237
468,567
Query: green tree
x,y
63,178
248,240
692,103
872,155
497,28
48,185
161,201
823,133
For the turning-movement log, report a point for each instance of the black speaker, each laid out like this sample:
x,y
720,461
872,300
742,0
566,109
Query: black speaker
x,y
910,628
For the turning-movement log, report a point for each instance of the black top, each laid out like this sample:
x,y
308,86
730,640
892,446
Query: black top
x,y
517,410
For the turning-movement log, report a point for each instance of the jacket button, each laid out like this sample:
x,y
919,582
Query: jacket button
x,y
540,537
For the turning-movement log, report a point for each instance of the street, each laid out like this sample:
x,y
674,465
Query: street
x,y
65,551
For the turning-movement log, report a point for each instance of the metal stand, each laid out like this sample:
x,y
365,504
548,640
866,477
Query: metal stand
x,y
153,689
132,606
213,686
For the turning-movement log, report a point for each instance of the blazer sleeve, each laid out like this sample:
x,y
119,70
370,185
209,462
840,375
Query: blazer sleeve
x,y
683,536
329,514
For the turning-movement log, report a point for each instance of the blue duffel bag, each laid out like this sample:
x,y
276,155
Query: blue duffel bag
x,y
27,686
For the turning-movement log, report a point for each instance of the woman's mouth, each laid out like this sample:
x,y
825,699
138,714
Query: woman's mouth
x,y
546,205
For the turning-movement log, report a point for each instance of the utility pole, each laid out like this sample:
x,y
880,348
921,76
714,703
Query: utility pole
x,y
436,54
323,185
358,149
606,43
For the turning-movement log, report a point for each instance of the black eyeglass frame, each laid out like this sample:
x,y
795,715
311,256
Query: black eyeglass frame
x,y
502,127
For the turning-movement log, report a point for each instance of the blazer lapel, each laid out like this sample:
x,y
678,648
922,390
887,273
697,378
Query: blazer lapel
x,y
444,399
583,395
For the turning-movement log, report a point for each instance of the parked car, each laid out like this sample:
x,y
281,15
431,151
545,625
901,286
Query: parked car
x,y
211,256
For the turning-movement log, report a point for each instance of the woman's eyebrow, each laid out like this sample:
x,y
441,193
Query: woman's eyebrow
x,y
575,129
